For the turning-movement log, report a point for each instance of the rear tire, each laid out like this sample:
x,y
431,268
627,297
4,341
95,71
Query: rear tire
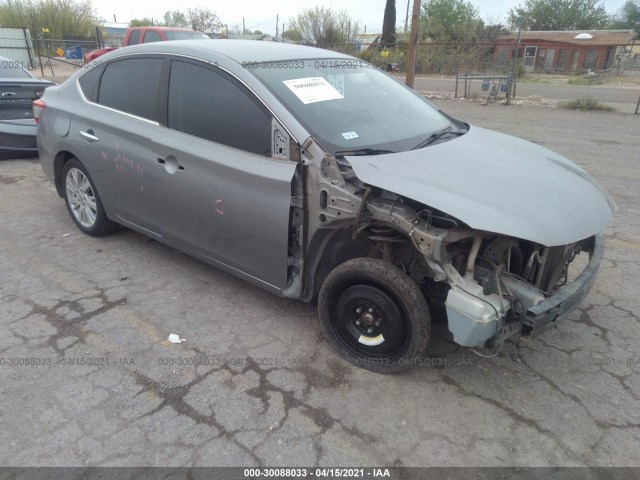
x,y
374,315
83,201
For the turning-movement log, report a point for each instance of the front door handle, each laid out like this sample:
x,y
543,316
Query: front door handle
x,y
89,136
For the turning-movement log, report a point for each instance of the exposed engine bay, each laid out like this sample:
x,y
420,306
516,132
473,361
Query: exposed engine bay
x,y
488,285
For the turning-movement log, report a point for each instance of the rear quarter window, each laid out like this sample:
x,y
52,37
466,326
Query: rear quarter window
x,y
90,82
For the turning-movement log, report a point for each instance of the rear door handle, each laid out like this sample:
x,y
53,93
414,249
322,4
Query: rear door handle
x,y
89,136
170,164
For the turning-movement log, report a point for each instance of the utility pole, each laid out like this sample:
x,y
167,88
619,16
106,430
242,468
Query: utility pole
x,y
277,19
413,40
511,90
244,30
406,18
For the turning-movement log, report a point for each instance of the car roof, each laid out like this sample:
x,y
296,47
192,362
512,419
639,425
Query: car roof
x,y
237,50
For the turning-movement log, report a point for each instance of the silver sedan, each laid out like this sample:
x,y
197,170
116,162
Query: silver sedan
x,y
318,177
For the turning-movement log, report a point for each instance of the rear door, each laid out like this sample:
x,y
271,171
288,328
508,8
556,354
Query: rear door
x,y
114,130
224,196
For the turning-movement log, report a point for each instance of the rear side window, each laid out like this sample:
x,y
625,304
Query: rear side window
x,y
211,105
134,38
131,86
151,36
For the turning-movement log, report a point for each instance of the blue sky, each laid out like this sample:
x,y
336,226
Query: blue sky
x,y
260,14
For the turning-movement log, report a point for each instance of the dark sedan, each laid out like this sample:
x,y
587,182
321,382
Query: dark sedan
x,y
18,90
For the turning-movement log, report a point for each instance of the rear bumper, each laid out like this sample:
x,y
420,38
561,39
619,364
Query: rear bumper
x,y
18,138
546,314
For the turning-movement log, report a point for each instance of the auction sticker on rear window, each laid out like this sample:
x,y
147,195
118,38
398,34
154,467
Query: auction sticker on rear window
x,y
312,89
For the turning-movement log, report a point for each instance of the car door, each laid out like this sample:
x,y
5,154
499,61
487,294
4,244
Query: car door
x,y
115,127
225,197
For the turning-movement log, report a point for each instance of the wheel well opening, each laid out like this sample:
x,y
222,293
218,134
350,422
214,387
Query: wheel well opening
x,y
58,164
376,241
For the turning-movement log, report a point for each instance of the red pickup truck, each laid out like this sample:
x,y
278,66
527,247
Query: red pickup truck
x,y
137,35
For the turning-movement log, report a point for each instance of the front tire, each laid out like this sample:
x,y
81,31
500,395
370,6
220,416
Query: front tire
x,y
83,201
374,315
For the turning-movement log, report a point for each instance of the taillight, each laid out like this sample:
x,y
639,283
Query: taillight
x,y
38,109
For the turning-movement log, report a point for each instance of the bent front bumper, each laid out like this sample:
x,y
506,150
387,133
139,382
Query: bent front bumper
x,y
473,317
547,313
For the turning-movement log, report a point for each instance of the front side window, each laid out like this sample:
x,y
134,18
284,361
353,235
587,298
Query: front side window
x,y
210,104
131,85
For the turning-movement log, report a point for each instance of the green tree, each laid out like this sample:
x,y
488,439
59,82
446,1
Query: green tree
x,y
63,18
628,16
202,19
489,32
175,18
389,24
322,26
143,22
292,35
559,15
449,20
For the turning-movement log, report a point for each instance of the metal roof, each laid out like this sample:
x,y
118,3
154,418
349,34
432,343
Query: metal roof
x,y
600,37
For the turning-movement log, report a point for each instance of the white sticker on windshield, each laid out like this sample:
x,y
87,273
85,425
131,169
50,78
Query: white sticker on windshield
x,y
350,135
312,89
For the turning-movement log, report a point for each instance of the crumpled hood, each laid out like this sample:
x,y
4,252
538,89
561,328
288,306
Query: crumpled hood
x,y
498,183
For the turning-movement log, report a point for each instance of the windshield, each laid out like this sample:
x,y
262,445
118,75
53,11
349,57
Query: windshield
x,y
349,105
179,35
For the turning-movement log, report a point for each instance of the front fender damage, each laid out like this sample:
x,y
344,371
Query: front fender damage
x,y
490,286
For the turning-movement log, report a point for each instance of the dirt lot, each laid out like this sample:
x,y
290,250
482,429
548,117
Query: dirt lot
x,y
87,319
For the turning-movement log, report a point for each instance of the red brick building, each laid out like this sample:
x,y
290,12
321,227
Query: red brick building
x,y
565,51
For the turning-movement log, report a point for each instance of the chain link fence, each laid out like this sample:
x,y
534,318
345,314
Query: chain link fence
x,y
433,58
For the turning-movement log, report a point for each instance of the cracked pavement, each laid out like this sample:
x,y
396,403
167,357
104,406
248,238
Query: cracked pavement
x,y
256,383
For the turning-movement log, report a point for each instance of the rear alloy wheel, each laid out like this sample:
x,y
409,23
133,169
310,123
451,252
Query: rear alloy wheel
x,y
374,315
83,202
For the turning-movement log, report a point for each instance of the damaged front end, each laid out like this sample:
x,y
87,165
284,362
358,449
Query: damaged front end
x,y
491,287
514,287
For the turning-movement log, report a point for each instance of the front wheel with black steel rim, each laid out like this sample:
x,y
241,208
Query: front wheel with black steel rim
x,y
83,202
374,315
